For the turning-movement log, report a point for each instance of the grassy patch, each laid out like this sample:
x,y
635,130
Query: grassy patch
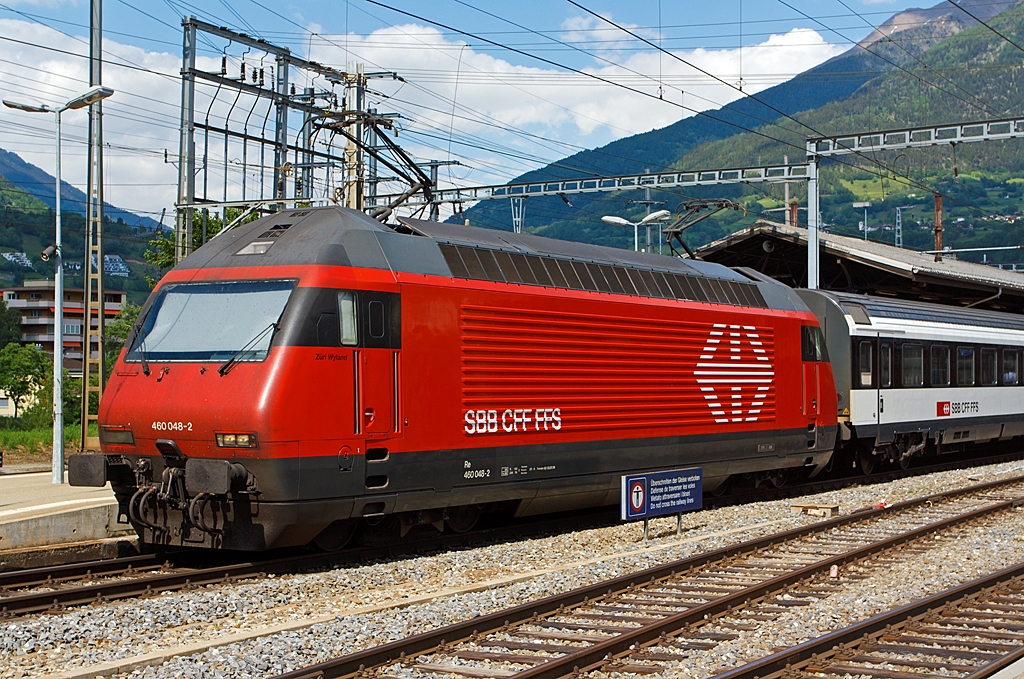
x,y
35,446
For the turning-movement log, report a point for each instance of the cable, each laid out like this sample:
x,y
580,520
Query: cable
x,y
965,11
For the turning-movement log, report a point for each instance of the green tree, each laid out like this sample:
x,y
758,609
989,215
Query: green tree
x,y
40,413
10,325
116,333
22,372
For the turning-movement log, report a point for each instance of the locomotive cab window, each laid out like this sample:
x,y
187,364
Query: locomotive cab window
x,y
913,365
885,365
865,362
212,321
812,344
1010,358
347,317
940,365
375,319
965,366
989,367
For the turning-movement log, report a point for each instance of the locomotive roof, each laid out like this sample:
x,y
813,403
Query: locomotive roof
x,y
863,308
344,237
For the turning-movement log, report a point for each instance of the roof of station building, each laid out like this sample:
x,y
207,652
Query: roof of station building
x,y
854,265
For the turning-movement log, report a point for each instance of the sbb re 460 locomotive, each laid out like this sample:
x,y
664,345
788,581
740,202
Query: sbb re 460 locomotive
x,y
316,369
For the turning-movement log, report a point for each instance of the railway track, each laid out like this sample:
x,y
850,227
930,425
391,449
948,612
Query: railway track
x,y
53,588
973,630
635,623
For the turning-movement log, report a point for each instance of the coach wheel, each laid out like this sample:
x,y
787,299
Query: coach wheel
x,y
462,519
778,477
903,461
335,536
865,461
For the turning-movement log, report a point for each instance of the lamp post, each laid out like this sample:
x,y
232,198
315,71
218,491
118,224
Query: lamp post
x,y
619,221
81,101
864,205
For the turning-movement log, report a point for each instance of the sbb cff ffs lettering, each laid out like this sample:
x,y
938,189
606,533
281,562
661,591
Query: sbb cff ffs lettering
x,y
512,420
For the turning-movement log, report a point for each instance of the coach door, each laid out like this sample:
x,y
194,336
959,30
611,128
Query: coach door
x,y
379,365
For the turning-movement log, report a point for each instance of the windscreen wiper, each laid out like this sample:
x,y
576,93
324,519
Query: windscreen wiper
x,y
223,370
140,349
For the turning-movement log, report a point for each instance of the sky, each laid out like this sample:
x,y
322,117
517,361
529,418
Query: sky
x,y
497,87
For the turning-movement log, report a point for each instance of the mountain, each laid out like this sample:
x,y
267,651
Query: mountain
x,y
40,185
900,42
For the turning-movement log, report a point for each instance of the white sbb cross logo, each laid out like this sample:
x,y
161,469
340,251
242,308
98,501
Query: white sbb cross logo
x,y
734,373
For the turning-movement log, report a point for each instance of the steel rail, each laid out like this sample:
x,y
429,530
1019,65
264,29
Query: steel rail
x,y
187,578
786,661
65,573
596,655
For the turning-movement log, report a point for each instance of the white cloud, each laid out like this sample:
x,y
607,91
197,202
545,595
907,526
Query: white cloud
x,y
535,99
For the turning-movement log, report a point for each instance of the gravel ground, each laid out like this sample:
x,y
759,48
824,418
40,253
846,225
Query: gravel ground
x,y
43,645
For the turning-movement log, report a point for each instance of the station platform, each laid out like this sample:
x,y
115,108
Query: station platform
x,y
36,513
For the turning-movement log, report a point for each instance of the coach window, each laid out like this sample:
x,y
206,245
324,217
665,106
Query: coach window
x,y
1010,366
913,365
347,312
940,365
864,361
965,366
885,365
989,367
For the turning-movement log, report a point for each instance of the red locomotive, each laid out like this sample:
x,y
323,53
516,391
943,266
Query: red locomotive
x,y
315,369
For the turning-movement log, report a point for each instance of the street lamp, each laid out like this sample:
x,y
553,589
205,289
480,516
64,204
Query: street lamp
x,y
88,98
619,221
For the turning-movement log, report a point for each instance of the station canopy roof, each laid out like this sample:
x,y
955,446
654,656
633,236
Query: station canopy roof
x,y
854,265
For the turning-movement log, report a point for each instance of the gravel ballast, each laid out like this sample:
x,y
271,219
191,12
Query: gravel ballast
x,y
84,637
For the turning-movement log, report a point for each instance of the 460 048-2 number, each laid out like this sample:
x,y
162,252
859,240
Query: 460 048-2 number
x,y
172,426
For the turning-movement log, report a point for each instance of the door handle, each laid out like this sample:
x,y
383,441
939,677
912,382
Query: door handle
x,y
368,414
881,404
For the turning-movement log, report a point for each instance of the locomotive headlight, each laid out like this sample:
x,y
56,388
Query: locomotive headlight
x,y
236,440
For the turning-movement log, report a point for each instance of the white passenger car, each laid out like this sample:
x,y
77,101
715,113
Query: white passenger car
x,y
915,377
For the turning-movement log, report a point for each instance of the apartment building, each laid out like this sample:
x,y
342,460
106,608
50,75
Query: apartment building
x,y
35,301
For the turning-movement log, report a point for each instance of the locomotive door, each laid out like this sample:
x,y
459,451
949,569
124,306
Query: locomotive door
x,y
810,389
379,365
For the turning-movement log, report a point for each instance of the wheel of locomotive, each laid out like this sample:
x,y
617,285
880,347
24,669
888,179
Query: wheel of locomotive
x,y
462,519
865,461
903,462
335,536
722,488
778,478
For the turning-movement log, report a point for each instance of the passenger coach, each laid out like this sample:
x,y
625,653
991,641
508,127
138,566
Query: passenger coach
x,y
913,377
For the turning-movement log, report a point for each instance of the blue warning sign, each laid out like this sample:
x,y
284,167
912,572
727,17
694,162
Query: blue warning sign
x,y
645,496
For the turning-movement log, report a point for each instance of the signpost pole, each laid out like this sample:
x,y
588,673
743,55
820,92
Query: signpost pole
x,y
645,530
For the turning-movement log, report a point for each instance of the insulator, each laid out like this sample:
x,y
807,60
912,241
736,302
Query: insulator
x,y
254,74
261,77
293,89
223,64
241,74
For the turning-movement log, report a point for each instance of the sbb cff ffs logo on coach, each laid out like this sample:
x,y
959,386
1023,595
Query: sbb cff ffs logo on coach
x,y
947,408
513,420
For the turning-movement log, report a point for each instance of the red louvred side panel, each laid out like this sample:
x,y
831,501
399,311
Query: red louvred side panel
x,y
605,373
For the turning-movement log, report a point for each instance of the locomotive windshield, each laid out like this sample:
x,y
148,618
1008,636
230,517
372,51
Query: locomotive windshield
x,y
211,321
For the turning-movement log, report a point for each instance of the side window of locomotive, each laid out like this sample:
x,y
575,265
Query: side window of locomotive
x,y
913,365
1010,358
347,314
864,361
885,365
965,366
812,344
989,367
940,365
375,319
